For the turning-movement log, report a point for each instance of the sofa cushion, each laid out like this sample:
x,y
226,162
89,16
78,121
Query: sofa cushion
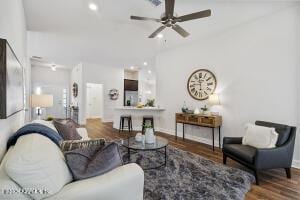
x,y
37,162
260,137
93,161
242,152
7,184
67,129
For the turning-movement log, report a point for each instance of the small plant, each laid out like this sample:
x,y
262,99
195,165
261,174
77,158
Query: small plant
x,y
147,125
150,102
49,118
204,109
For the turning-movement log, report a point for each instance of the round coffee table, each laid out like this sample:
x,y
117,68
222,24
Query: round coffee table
x,y
160,143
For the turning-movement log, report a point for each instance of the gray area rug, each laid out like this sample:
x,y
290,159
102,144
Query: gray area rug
x,y
188,176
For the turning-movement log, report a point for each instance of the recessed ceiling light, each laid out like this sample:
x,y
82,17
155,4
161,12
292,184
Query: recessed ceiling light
x,y
53,67
145,63
149,72
160,35
93,7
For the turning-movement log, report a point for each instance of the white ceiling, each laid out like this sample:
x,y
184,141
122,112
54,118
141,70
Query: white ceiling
x,y
67,32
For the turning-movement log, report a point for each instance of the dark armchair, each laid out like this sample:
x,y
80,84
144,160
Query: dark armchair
x,y
259,159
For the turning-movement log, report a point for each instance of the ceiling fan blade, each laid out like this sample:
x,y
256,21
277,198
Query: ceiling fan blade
x,y
155,33
144,18
180,30
197,15
169,4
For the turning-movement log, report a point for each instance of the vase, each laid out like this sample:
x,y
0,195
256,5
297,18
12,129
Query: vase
x,y
149,136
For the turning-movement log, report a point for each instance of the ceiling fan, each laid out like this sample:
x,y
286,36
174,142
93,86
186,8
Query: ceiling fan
x,y
170,19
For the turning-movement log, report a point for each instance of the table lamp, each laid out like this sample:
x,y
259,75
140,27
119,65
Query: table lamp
x,y
214,100
41,101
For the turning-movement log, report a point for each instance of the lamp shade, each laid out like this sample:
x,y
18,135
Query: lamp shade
x,y
42,101
214,100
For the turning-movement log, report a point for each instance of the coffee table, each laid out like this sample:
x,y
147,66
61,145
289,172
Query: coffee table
x,y
160,143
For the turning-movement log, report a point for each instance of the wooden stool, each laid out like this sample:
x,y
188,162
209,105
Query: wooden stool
x,y
149,119
129,123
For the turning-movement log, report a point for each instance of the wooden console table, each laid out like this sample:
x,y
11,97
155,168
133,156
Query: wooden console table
x,y
209,121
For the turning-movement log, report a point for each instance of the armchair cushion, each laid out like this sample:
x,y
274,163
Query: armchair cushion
x,y
260,136
282,130
242,152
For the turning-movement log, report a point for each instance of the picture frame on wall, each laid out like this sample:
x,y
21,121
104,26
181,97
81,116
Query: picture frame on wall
x,y
11,81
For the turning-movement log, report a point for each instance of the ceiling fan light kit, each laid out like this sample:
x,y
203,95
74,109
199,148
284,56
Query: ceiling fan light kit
x,y
169,19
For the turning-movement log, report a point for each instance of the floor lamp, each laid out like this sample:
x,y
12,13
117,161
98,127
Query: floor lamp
x,y
41,101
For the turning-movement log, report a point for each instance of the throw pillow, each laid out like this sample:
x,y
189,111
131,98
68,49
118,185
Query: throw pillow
x,y
36,162
70,145
67,130
94,161
260,136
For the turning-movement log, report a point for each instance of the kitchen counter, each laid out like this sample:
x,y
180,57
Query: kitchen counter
x,y
144,108
137,116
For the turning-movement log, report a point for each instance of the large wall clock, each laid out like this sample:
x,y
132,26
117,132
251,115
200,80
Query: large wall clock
x,y
201,84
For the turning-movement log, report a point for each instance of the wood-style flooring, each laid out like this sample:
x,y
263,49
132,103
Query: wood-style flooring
x,y
273,183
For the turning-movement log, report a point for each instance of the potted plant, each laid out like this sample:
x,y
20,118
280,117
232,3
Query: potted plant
x,y
205,110
150,102
149,134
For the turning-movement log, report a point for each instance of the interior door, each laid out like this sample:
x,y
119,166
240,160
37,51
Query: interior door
x,y
94,100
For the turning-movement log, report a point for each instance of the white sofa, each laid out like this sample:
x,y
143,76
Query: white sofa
x,y
35,162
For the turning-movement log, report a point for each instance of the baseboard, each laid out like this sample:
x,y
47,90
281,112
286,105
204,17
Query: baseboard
x,y
107,120
191,137
296,164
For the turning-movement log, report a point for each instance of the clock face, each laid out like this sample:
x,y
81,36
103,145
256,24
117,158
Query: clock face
x,y
201,84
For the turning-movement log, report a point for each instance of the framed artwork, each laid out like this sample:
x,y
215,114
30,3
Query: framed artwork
x,y
11,81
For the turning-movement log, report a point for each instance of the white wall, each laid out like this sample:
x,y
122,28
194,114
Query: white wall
x,y
76,77
44,77
131,75
147,84
297,156
13,28
111,78
255,65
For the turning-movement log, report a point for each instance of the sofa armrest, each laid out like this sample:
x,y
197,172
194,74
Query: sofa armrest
x,y
125,182
232,140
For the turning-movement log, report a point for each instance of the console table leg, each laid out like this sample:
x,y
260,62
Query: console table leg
x,y
213,138
128,155
165,156
183,131
220,137
176,130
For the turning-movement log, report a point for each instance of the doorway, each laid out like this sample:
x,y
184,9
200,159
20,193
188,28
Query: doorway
x,y
94,100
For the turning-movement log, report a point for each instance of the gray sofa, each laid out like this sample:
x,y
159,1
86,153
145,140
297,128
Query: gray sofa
x,y
260,159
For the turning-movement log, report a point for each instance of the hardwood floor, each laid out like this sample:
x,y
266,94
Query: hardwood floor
x,y
273,183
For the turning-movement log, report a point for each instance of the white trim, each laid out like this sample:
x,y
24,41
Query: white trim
x,y
296,164
191,137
